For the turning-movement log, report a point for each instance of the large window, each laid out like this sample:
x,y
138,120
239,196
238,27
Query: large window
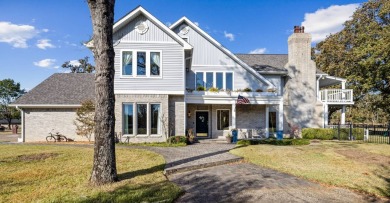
x,y
142,120
128,119
155,119
220,80
222,119
141,63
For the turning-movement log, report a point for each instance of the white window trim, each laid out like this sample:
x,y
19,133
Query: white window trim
x,y
148,121
217,118
147,64
123,120
215,78
159,134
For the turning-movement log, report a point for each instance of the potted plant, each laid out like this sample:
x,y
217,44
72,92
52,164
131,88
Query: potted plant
x,y
229,138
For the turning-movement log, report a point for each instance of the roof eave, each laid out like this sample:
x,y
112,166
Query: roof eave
x,y
45,105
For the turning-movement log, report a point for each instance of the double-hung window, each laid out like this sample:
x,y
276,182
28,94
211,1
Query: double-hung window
x,y
220,80
140,63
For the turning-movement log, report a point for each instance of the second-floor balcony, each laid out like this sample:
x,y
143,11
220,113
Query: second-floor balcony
x,y
336,96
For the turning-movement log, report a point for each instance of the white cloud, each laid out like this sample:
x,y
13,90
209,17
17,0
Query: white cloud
x,y
74,63
327,21
16,35
45,30
44,43
196,23
229,36
258,51
45,63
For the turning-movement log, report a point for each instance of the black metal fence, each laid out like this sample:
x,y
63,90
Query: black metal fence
x,y
378,133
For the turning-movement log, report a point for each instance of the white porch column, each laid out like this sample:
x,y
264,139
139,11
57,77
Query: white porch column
x,y
343,85
343,115
267,121
234,116
185,117
280,116
325,115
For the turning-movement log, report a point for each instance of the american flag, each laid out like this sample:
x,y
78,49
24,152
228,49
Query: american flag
x,y
242,100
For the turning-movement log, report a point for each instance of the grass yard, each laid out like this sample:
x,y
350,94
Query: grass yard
x,y
50,173
359,166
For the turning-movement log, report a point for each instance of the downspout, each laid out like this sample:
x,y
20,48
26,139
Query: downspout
x,y
21,139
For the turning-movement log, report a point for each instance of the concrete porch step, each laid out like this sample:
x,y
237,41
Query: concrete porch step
x,y
213,141
170,171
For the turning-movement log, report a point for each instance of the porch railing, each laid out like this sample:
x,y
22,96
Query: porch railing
x,y
336,96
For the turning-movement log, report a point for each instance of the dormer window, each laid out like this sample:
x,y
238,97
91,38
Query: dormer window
x,y
141,63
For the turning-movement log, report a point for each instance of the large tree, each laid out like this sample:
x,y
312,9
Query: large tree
x,y
9,92
361,52
82,67
104,164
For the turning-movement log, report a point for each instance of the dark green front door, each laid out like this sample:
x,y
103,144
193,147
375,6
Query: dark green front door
x,y
202,124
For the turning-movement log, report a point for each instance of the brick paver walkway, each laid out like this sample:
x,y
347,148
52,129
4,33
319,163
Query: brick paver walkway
x,y
195,156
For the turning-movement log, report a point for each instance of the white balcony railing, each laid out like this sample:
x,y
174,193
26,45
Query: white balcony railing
x,y
336,96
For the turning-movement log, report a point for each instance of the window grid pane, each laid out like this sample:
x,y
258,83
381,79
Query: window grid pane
x,y
141,63
142,118
155,63
209,80
127,63
229,81
219,82
199,80
128,119
155,118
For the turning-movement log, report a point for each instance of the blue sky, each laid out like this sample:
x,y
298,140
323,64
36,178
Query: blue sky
x,y
36,37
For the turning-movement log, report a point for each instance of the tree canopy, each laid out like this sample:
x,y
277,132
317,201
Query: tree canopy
x,y
9,92
361,52
84,66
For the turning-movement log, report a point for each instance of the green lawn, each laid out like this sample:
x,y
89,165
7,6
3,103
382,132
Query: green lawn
x,y
50,173
359,166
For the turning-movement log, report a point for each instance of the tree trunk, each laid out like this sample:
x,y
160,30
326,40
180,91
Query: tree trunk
x,y
104,164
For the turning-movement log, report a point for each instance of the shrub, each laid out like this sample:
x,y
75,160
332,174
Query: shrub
x,y
283,142
200,88
247,89
177,139
358,133
259,90
318,133
213,89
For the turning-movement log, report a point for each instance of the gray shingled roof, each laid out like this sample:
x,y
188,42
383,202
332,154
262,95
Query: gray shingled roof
x,y
268,63
61,89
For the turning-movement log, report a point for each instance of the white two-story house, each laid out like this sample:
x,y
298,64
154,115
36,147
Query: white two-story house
x,y
169,80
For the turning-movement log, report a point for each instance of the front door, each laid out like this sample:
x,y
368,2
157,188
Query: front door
x,y
202,124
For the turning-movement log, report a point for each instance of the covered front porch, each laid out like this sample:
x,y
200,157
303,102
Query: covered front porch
x,y
215,115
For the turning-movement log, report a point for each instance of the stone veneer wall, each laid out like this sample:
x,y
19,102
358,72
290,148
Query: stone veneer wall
x,y
39,122
249,117
176,114
120,99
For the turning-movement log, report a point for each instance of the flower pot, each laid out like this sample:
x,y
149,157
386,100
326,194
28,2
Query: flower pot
x,y
229,139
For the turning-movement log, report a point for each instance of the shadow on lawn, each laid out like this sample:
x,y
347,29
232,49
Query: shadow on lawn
x,y
132,174
163,191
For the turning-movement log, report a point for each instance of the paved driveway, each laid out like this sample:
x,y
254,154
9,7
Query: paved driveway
x,y
240,182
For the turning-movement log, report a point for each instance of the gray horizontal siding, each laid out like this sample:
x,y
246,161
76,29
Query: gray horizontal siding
x,y
128,33
205,52
172,68
277,81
